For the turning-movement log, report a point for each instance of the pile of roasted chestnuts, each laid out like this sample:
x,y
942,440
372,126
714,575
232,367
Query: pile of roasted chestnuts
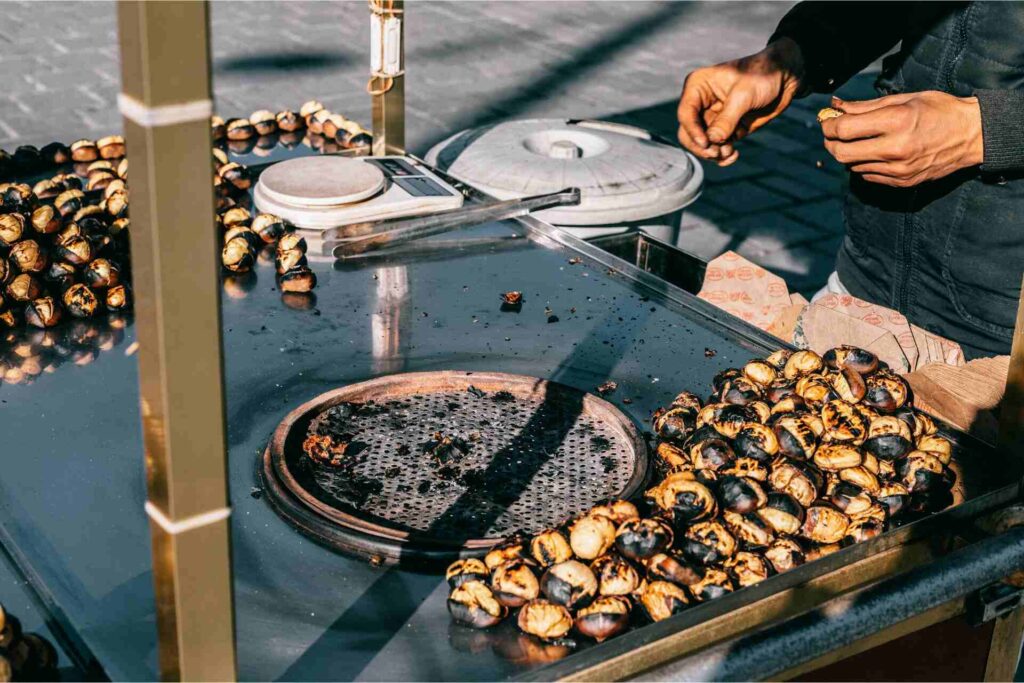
x,y
312,125
24,656
791,458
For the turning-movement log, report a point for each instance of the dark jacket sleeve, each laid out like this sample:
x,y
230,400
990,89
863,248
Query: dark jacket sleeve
x,y
838,39
1002,129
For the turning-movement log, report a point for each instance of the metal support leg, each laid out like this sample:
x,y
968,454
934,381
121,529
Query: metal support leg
x,y
166,105
1004,651
389,95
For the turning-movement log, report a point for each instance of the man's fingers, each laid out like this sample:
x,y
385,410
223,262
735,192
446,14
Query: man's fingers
x,y
864,106
736,105
859,151
867,125
691,107
708,152
730,159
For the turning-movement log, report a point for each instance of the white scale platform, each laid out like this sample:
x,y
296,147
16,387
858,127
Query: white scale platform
x,y
318,193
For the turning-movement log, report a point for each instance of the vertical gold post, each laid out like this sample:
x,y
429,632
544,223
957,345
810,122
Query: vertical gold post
x,y
1011,411
389,94
165,74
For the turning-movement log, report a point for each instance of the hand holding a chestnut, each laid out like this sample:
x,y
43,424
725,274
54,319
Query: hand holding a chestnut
x,y
906,139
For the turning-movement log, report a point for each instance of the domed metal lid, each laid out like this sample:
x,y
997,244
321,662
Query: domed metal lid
x,y
623,174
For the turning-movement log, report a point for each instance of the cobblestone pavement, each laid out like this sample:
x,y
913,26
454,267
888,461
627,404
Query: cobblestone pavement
x,y
468,64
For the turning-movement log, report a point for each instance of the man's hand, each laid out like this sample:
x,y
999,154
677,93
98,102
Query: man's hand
x,y
903,140
723,103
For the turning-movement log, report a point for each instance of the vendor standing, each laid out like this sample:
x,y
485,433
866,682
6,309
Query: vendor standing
x,y
934,211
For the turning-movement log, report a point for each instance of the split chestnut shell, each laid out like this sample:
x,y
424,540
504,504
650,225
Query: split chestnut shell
x,y
570,583
461,571
474,604
615,576
544,619
604,618
661,599
638,539
514,583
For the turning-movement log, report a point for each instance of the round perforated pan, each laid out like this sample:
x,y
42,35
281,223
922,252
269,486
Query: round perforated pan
x,y
526,453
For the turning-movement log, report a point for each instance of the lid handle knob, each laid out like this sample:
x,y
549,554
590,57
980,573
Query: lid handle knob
x,y
565,149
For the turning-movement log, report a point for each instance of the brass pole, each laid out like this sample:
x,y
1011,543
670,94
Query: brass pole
x,y
166,104
1011,411
388,92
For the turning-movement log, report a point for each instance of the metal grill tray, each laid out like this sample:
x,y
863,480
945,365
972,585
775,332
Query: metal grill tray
x,y
535,453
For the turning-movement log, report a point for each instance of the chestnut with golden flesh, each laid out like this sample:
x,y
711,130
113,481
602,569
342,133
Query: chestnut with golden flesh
x,y
84,150
111,147
287,260
937,445
269,227
604,618
76,250
750,530
28,257
673,567
673,457
862,530
238,256
638,539
473,604
42,312
80,301
862,477
118,298
236,175
289,121
513,548
848,384
544,619
675,423
844,423
550,547
782,513
706,543
886,391
264,122
889,438
46,220
615,576
102,273
824,523
815,390
715,584
570,583
860,360
796,438
469,569
12,228
740,391
298,279
757,441
618,511
802,363
661,599
850,498
24,287
514,583
833,457
686,399
749,468
591,536
760,372
711,454
785,554
740,494
920,471
802,482
749,568
685,498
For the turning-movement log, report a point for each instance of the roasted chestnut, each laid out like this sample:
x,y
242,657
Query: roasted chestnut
x,y
749,568
886,391
814,390
801,363
673,457
711,454
894,497
24,287
749,468
102,273
604,618
544,619
116,205
862,530
661,599
785,553
750,529
615,576
569,583
298,279
822,550
888,438
848,384
291,241
618,511
861,477
235,174
685,498
706,543
938,446
824,523
316,121
289,122
739,391
760,372
876,512
28,257
726,418
218,130
238,256
714,584
780,389
333,124
920,471
550,547
850,498
264,122
80,301
56,153
675,423
469,569
857,359
236,216
591,536
69,202
844,423
269,227
84,150
837,456
287,260
309,108
514,583
42,312
12,228
757,441
762,410
782,513
473,603
239,129
740,494
513,548
638,539
46,220
802,482
118,298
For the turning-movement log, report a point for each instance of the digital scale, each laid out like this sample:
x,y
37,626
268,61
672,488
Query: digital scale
x,y
319,193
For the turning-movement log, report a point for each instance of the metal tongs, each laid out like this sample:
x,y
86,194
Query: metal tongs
x,y
360,238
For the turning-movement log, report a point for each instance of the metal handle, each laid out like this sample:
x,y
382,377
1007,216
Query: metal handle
x,y
393,232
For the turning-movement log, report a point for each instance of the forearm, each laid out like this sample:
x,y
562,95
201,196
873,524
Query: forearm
x,y
1002,127
839,39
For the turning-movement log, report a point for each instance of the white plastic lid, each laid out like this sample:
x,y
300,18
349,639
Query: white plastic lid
x,y
623,174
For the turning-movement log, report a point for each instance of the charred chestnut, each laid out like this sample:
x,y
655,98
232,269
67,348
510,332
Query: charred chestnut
x,y
800,481
111,147
591,536
889,438
938,446
782,513
850,498
615,576
56,153
711,454
639,539
102,273
685,498
298,279
84,150
844,423
118,298
861,477
473,603
673,457
780,389
740,494
848,384
689,400
238,256
545,620
269,227
28,257
757,441
24,287
550,547
760,372
287,260
750,529
675,423
513,548
920,471
785,554
857,359
46,220
801,363
569,583
239,129
673,567
886,391
815,390
862,530
618,511
824,523
461,571
12,228
715,584
762,410
117,204
80,301
514,583
264,122
69,202
604,618
749,568
893,497
707,543
661,599
749,468
726,418
42,312
739,391
837,456
236,175
289,122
